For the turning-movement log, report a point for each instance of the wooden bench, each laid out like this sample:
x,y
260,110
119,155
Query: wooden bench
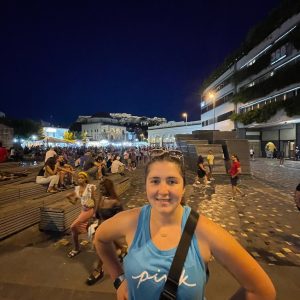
x,y
25,212
10,194
58,216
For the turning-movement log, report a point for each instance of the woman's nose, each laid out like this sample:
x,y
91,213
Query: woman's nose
x,y
163,188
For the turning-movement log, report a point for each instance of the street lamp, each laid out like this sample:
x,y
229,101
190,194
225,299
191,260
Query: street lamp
x,y
185,115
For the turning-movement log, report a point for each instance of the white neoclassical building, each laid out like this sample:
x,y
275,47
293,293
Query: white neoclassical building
x,y
164,134
99,131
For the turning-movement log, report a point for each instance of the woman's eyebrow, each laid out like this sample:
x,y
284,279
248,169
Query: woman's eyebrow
x,y
159,177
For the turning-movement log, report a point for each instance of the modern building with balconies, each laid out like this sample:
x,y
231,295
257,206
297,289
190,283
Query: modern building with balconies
x,y
257,93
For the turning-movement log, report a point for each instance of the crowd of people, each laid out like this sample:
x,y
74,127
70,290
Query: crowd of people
x,y
61,165
153,231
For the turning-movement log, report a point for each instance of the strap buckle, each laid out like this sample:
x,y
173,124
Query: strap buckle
x,y
166,295
170,290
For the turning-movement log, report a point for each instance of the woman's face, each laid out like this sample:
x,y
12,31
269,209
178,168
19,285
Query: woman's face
x,y
164,186
233,158
81,179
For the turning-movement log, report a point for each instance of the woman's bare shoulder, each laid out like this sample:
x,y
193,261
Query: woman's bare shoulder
x,y
206,227
131,214
122,224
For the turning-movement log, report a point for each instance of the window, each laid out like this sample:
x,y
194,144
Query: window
x,y
280,53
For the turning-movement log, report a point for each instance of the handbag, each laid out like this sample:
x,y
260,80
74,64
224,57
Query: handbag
x,y
170,288
89,203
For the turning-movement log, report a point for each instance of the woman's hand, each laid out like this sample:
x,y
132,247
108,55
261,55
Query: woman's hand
x,y
122,291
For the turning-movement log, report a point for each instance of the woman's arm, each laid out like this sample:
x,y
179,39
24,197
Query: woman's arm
x,y
72,197
122,225
93,192
50,171
255,283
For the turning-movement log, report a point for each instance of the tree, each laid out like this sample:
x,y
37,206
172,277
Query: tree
x,y
69,136
41,134
84,136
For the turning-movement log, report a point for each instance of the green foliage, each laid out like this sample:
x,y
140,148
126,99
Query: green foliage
x,y
41,133
69,136
84,136
292,106
261,115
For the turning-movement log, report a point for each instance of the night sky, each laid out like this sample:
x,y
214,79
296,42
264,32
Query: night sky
x,y
61,59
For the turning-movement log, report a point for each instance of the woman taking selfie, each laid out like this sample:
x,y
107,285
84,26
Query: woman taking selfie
x,y
153,233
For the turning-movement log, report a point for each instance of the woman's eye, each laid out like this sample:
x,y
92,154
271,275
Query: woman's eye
x,y
172,181
154,181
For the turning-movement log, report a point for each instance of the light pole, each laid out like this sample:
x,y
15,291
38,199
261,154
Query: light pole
x,y
185,115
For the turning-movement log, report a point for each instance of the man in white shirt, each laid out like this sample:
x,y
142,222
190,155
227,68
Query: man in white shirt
x,y
117,166
50,153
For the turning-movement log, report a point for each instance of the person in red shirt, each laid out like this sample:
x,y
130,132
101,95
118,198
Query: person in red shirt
x,y
234,173
3,153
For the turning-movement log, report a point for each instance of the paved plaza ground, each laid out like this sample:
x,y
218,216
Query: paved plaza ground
x,y
266,222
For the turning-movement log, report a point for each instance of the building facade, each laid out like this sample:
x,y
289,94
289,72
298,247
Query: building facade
x,y
259,93
164,134
99,131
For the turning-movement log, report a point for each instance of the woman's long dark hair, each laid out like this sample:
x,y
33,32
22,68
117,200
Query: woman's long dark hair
x,y
109,190
51,161
234,155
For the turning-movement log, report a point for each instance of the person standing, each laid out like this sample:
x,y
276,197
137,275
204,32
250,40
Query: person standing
x,y
3,153
201,172
251,153
297,153
84,192
153,233
234,173
281,158
210,161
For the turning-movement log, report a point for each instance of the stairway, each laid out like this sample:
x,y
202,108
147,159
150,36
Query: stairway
x,y
202,149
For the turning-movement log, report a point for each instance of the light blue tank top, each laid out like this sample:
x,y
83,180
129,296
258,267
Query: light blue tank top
x,y
146,267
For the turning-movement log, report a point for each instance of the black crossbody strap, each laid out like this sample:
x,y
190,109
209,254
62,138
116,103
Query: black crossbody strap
x,y
170,288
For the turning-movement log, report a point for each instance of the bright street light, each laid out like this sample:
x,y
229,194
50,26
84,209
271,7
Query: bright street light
x,y
185,115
